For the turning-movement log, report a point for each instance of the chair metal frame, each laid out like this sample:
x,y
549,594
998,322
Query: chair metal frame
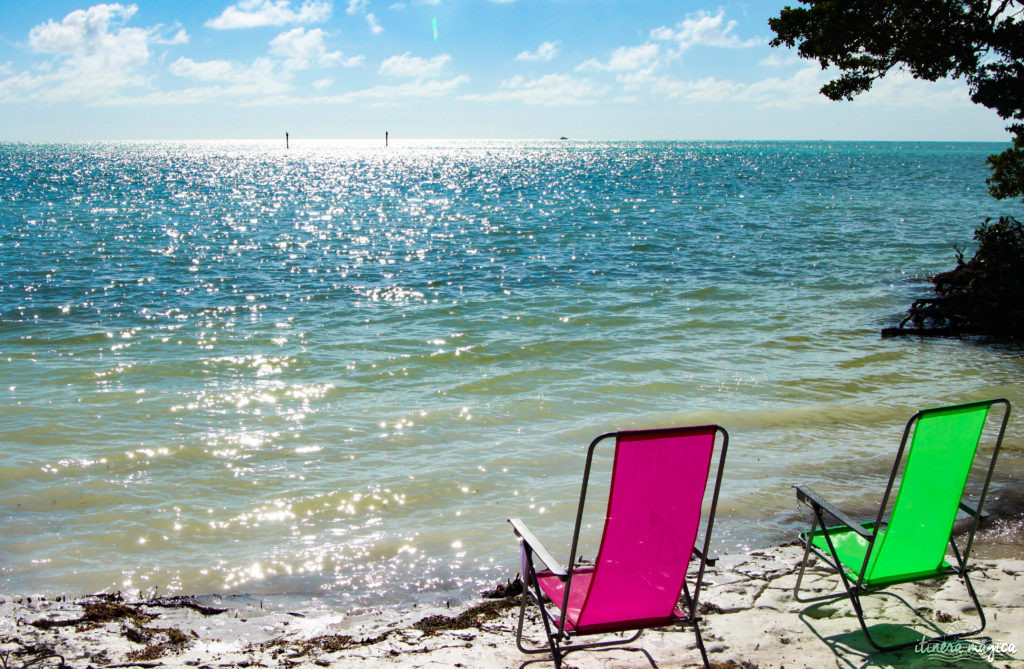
x,y
554,625
870,531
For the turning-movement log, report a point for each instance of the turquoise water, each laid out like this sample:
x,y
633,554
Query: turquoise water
x,y
334,371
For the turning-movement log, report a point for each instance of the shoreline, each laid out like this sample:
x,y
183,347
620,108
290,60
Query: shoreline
x,y
751,620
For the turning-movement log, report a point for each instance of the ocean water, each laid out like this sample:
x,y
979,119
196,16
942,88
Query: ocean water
x,y
333,372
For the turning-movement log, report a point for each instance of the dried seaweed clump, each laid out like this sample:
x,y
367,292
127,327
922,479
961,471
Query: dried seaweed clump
x,y
292,649
159,642
97,613
472,617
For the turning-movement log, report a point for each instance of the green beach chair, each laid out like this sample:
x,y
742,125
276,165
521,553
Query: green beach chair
x,y
912,544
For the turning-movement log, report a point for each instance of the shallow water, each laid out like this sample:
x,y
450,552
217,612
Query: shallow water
x,y
334,371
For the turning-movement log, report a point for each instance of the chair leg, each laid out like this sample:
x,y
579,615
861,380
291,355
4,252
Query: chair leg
x,y
555,646
970,587
700,645
803,563
858,609
552,639
936,639
552,646
977,604
530,577
522,615
803,566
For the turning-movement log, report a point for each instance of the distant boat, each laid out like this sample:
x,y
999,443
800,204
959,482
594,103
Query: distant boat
x,y
563,137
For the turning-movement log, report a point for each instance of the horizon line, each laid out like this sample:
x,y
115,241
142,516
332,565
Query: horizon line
x,y
400,139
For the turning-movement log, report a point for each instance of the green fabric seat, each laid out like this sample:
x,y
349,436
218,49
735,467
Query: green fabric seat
x,y
909,542
852,547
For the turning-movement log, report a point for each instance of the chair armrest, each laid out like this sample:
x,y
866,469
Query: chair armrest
x,y
808,496
971,510
710,561
524,533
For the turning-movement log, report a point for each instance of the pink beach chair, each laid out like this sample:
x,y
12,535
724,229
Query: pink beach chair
x,y
638,581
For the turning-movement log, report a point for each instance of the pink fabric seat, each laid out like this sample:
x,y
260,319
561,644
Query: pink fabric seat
x,y
554,588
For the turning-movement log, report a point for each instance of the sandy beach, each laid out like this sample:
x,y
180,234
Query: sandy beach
x,y
751,620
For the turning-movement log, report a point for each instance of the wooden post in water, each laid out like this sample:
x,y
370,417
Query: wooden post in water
x,y
286,140
385,139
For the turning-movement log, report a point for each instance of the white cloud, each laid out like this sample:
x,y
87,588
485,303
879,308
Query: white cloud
x,y
702,29
636,67
398,5
186,96
625,59
20,87
901,89
210,70
259,83
264,76
545,51
421,88
87,31
776,59
94,56
662,33
407,65
636,79
708,89
548,90
358,8
181,37
801,90
258,13
375,26
795,92
267,78
798,91
301,49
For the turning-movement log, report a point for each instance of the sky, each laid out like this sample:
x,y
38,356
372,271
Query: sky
x,y
585,69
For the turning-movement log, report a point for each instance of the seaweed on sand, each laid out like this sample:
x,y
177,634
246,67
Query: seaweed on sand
x,y
510,588
111,608
159,641
474,616
29,655
97,613
326,643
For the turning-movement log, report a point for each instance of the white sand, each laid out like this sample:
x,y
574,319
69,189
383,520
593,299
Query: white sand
x,y
759,624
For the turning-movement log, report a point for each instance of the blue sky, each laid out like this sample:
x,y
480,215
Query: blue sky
x,y
587,69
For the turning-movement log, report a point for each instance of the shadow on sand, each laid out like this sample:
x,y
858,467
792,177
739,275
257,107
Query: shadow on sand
x,y
852,648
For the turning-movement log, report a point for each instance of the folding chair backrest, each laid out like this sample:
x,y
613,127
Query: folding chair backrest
x,y
938,462
654,509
